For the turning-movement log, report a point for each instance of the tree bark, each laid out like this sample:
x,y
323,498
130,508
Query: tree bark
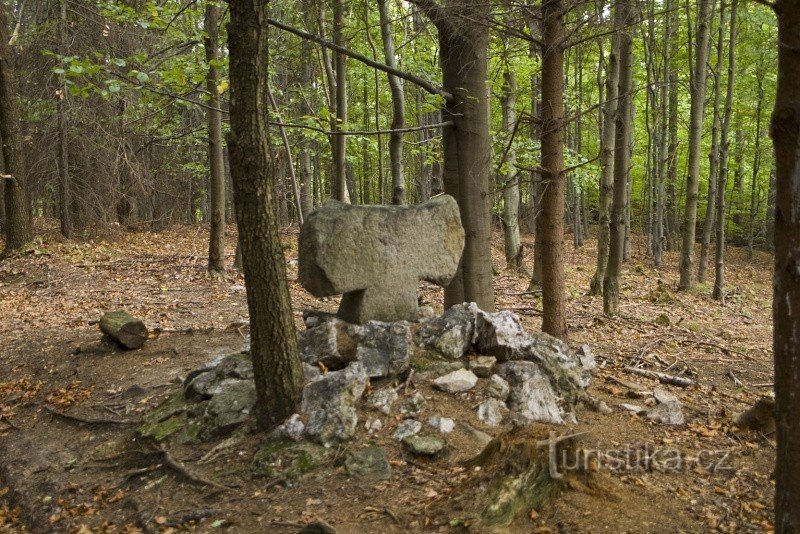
x,y
607,163
464,50
18,223
786,295
698,90
715,155
276,364
512,244
719,271
216,165
622,17
751,231
340,191
554,320
536,189
398,109
64,193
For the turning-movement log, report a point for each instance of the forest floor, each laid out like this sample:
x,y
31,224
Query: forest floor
x,y
61,475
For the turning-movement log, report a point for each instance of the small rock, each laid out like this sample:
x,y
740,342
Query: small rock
x,y
449,335
437,369
414,405
292,428
498,388
492,411
482,365
370,463
383,399
632,408
445,425
330,402
407,428
457,381
663,396
320,345
532,396
373,426
500,334
480,438
425,312
311,372
232,402
586,358
385,349
423,445
668,413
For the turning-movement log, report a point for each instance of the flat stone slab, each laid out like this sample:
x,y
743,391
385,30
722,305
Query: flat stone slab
x,y
375,256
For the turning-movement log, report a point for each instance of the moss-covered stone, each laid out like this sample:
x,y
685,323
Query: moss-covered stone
x,y
287,460
166,419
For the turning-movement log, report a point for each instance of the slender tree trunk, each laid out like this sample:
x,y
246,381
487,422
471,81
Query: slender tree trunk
x,y
751,232
662,156
536,189
513,246
719,277
18,222
277,368
770,229
786,295
738,182
673,225
607,152
624,123
698,90
715,155
216,165
340,191
554,320
65,196
398,109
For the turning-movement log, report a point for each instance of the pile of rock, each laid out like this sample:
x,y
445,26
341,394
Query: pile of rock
x,y
530,377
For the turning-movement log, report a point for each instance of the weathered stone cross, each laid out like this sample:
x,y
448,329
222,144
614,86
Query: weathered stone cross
x,y
376,255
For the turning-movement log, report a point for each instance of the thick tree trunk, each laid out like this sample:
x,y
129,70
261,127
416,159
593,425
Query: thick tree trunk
x,y
278,373
513,246
398,109
554,320
719,272
64,193
607,163
786,295
464,51
216,165
698,90
2,192
624,124
18,223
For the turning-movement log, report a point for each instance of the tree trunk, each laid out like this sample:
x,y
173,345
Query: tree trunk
x,y
554,320
607,163
216,165
698,90
673,226
719,275
513,246
534,51
2,192
276,364
756,169
398,109
340,191
715,155
622,17
18,223
64,193
786,295
464,50
770,229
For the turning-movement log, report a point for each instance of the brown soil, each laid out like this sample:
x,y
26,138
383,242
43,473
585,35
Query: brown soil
x,y
62,475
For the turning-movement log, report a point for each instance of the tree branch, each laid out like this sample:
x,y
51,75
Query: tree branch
x,y
425,84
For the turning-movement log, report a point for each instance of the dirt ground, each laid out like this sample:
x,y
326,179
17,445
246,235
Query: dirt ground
x,y
59,474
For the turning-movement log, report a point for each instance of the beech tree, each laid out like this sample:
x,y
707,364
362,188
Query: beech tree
x,y
216,165
276,363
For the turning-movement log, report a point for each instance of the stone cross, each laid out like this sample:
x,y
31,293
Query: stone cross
x,y
375,256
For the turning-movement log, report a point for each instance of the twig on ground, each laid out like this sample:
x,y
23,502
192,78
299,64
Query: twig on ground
x,y
176,465
733,377
661,377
